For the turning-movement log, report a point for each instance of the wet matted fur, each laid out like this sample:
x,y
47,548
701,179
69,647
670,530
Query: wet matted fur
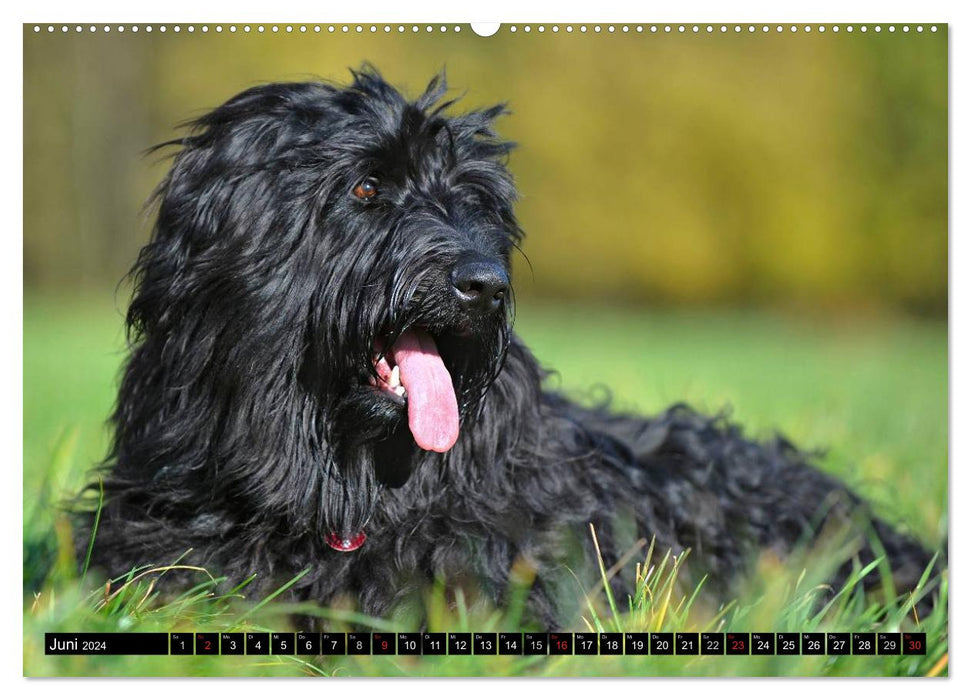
x,y
310,236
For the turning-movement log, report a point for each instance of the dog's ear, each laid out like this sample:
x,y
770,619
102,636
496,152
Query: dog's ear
x,y
368,80
476,130
234,194
435,90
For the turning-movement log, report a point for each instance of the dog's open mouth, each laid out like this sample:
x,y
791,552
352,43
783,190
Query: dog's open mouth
x,y
412,371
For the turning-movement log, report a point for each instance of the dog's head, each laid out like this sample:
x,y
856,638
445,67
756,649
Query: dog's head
x,y
342,254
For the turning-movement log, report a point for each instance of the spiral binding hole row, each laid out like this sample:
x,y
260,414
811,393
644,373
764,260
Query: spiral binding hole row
x,y
513,29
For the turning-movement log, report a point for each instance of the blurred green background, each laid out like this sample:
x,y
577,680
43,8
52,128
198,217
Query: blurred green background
x,y
754,221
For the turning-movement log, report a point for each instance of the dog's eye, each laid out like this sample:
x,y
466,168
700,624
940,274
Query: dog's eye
x,y
366,189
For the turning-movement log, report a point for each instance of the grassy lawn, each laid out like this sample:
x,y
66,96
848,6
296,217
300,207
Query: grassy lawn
x,y
873,394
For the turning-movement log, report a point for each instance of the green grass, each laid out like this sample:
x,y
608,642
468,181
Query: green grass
x,y
874,394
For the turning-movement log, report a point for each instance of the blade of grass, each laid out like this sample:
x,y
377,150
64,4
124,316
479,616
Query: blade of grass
x,y
94,528
270,597
603,574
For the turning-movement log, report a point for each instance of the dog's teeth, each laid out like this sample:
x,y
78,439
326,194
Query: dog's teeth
x,y
400,391
395,379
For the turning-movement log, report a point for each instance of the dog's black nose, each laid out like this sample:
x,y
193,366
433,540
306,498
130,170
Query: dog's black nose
x,y
480,285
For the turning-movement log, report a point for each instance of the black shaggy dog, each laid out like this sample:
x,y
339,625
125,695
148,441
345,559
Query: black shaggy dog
x,y
323,376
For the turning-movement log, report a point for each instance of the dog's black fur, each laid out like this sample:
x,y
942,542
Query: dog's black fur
x,y
249,429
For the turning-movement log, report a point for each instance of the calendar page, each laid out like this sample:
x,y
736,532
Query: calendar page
x,y
523,349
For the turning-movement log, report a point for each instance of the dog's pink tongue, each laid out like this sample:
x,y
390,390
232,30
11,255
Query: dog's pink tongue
x,y
433,412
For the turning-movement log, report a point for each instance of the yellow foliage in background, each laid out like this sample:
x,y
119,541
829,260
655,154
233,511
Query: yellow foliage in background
x,y
770,169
